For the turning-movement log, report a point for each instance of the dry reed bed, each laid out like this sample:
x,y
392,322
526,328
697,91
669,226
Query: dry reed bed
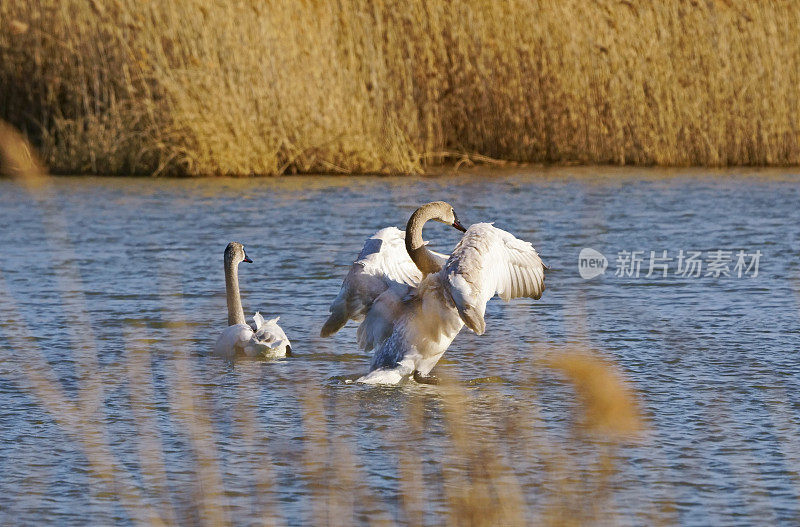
x,y
199,87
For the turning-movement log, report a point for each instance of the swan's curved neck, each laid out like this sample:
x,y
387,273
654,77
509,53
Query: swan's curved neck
x,y
235,311
415,245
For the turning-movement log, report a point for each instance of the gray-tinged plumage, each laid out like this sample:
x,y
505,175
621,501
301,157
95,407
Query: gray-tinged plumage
x,y
390,258
382,263
427,261
410,330
234,255
413,303
264,337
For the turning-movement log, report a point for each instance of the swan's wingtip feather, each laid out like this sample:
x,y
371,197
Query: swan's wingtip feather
x,y
258,320
335,322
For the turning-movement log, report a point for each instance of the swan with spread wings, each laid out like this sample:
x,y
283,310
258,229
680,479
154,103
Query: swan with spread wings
x,y
412,302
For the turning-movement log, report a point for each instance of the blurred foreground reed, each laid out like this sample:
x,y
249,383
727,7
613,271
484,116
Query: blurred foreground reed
x,y
197,87
473,484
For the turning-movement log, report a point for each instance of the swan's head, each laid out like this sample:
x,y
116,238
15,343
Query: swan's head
x,y
446,214
234,254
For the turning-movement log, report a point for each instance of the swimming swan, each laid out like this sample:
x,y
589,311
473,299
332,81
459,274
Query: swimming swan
x,y
265,337
412,303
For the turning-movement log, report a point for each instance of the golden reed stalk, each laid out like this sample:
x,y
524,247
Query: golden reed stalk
x,y
199,87
488,441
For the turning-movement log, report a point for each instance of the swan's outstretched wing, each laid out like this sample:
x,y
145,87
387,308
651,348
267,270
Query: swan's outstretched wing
x,y
489,261
382,263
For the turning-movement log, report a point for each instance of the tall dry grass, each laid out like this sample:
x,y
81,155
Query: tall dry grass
x,y
201,87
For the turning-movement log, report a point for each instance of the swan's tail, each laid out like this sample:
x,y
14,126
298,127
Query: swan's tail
x,y
336,321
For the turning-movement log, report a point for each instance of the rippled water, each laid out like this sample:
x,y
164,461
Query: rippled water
x,y
713,361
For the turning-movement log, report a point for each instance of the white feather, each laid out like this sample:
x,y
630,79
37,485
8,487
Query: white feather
x,y
489,261
382,263
233,340
410,321
262,339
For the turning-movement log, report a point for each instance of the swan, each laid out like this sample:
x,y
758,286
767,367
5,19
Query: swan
x,y
264,337
412,302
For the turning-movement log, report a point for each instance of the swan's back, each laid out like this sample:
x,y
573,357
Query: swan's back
x,y
269,338
265,338
233,340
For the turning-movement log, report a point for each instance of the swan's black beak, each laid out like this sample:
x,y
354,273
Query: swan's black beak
x,y
457,225
247,259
